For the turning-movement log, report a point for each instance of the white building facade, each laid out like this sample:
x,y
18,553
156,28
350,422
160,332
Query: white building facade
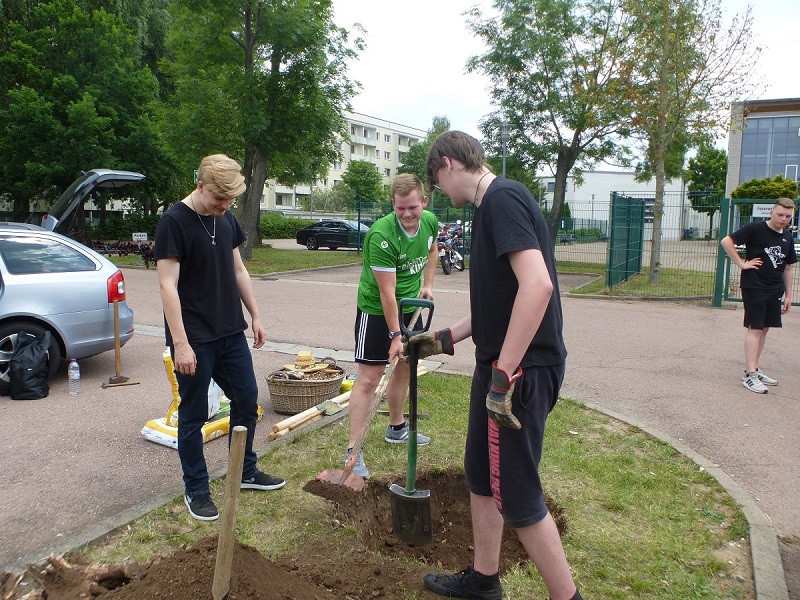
x,y
590,202
380,142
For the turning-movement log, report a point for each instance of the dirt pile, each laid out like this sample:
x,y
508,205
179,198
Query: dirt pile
x,y
379,567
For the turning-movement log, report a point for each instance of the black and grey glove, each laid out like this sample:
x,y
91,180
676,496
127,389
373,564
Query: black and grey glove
x,y
498,400
431,343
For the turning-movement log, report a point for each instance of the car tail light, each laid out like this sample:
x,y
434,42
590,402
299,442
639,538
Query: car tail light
x,y
116,287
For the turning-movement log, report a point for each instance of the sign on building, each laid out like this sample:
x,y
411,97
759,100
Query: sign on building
x,y
140,237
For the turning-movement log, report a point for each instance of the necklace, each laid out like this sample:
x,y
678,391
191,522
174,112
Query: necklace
x,y
479,186
213,236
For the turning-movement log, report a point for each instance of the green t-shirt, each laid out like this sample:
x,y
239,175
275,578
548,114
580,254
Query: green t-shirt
x,y
387,247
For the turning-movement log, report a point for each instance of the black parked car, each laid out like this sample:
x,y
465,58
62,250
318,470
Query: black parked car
x,y
333,234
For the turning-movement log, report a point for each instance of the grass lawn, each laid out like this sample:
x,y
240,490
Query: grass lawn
x,y
643,521
672,283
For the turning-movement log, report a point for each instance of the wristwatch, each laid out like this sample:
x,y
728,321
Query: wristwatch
x,y
394,334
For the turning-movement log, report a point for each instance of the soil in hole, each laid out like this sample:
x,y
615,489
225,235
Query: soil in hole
x,y
380,567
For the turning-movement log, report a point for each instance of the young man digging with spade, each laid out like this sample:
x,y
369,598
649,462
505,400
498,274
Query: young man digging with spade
x,y
516,324
399,261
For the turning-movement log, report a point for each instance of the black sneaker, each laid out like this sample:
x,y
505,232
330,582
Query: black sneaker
x,y
466,584
262,481
201,507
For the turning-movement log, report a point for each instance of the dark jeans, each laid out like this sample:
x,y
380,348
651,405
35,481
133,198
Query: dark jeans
x,y
228,361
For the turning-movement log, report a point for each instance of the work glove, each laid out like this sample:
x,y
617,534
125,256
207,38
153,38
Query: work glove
x,y
498,400
431,343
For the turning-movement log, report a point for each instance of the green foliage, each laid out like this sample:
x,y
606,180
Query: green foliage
x,y
766,189
336,199
117,228
73,95
275,226
554,68
707,170
364,181
266,83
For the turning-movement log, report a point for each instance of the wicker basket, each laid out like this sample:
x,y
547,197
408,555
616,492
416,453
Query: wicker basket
x,y
291,396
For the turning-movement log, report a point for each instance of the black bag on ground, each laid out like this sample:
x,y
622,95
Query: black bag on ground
x,y
27,371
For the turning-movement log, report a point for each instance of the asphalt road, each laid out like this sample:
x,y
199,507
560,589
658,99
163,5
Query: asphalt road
x,y
75,465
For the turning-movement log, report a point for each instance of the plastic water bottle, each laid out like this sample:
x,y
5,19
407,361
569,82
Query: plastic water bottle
x,y
74,373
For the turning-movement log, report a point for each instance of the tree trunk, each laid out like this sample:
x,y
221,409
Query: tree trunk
x,y
249,210
566,160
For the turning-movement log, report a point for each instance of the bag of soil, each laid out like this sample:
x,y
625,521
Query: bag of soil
x,y
28,367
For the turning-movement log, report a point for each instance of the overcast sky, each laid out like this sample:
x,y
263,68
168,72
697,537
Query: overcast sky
x,y
413,66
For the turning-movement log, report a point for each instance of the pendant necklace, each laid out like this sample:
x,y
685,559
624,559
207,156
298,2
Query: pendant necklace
x,y
213,236
479,186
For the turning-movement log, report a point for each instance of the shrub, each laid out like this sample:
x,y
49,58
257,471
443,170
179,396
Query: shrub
x,y
276,226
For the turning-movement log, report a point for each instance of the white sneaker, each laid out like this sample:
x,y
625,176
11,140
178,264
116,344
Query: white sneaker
x,y
764,379
753,383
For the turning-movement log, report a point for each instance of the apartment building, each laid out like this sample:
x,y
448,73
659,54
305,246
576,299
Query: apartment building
x,y
378,141
763,141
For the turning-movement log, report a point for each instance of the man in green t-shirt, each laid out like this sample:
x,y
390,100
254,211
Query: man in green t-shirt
x,y
400,255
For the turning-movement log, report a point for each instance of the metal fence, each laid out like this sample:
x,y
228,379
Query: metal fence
x,y
688,254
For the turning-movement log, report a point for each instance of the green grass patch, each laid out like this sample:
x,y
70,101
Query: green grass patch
x,y
568,266
642,520
273,260
672,283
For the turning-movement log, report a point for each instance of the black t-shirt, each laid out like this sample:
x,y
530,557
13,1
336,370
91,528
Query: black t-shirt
x,y
776,250
210,302
507,220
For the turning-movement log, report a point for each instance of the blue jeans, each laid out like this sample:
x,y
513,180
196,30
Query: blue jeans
x,y
229,362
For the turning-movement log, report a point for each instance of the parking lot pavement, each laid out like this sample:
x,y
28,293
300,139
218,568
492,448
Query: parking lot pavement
x,y
76,462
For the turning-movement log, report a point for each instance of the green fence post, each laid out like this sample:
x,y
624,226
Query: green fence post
x,y
722,258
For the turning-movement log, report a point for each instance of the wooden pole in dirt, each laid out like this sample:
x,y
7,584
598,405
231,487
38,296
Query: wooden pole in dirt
x,y
227,522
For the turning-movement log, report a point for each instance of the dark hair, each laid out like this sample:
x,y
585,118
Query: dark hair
x,y
456,145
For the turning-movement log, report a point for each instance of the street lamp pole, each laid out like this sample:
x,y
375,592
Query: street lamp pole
x,y
505,128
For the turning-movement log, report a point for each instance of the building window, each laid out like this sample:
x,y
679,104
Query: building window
x,y
337,165
551,186
377,136
387,138
352,149
387,155
791,172
377,153
387,172
770,146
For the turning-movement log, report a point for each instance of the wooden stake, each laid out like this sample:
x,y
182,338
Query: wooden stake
x,y
227,522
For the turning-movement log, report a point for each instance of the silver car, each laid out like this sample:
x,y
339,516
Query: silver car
x,y
51,282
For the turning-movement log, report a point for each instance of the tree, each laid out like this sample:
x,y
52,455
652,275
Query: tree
x,y
415,160
74,96
706,176
554,67
263,81
766,189
364,181
684,71
336,199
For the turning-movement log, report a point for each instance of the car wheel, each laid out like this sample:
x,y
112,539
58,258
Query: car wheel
x,y
311,243
8,341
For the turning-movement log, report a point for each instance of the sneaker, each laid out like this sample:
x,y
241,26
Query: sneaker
x,y
361,467
466,584
401,436
765,379
201,507
262,481
753,383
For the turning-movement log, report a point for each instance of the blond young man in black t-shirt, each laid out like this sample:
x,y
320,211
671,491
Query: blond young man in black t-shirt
x,y
766,283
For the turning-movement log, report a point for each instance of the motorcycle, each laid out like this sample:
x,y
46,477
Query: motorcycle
x,y
450,254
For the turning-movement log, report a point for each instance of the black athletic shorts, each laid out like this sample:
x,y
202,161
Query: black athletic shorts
x,y
504,463
372,337
762,308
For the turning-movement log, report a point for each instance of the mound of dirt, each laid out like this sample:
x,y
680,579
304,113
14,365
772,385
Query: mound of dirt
x,y
380,567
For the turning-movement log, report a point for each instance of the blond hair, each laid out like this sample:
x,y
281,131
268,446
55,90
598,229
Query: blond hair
x,y
785,203
404,184
221,176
